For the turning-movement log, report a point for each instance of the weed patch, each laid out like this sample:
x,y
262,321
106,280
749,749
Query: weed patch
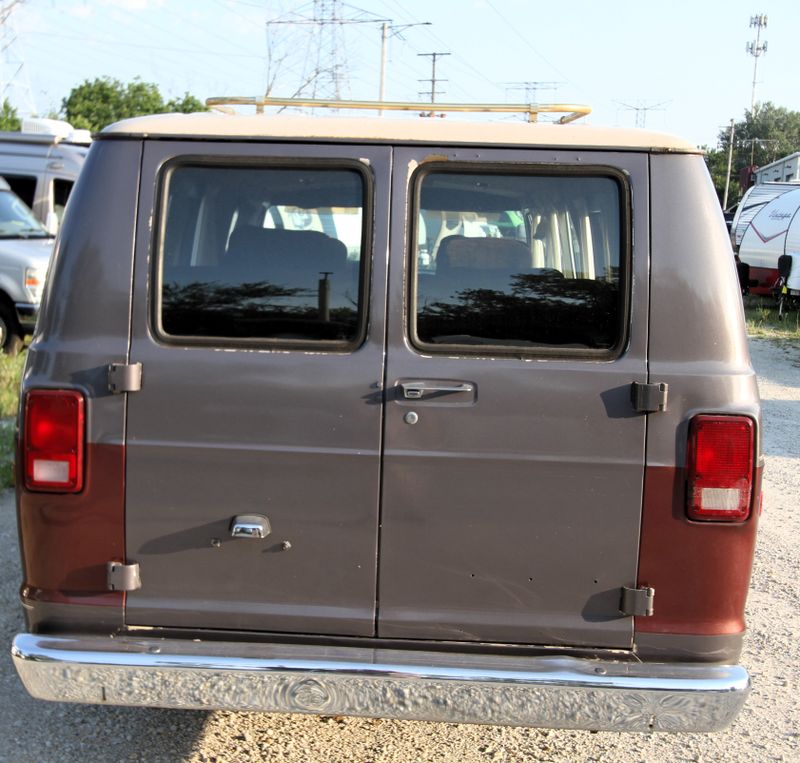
x,y
761,314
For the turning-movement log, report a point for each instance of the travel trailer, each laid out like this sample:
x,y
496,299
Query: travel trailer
x,y
766,226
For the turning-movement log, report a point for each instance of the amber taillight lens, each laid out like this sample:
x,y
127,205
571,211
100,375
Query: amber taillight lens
x,y
53,441
720,468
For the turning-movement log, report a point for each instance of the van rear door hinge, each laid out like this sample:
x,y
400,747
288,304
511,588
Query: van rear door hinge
x,y
637,601
124,377
123,577
649,398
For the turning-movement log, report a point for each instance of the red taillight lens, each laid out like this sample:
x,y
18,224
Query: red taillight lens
x,y
53,440
720,468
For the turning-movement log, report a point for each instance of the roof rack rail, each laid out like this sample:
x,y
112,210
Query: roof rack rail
x,y
570,111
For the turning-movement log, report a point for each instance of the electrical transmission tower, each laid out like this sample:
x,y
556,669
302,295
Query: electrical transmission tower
x,y
327,76
756,49
13,74
330,43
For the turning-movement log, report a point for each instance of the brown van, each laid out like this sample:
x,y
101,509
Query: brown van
x,y
424,419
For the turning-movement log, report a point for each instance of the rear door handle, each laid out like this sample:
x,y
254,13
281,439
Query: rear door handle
x,y
250,526
417,390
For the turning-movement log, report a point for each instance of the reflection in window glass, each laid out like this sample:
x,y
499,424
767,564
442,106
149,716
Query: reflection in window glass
x,y
262,253
518,261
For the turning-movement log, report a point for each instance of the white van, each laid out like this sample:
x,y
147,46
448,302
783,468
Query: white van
x,y
41,164
25,249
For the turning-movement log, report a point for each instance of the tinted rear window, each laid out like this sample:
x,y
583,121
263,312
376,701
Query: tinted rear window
x,y
519,261
262,254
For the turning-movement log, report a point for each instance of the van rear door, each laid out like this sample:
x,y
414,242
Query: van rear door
x,y
253,446
513,460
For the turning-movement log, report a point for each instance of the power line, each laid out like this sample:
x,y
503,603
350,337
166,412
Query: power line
x,y
525,39
458,60
117,43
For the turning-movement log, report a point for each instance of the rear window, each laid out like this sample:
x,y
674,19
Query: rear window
x,y
258,254
522,261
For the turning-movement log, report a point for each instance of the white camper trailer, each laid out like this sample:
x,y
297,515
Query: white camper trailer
x,y
766,225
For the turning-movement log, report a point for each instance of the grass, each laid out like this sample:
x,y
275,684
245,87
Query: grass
x,y
10,375
761,314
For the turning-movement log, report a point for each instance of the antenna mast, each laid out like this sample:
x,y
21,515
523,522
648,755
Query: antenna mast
x,y
756,48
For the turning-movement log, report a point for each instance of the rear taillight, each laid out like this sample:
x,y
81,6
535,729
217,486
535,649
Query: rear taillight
x,y
53,441
720,468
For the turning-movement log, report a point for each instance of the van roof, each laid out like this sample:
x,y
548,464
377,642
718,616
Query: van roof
x,y
220,126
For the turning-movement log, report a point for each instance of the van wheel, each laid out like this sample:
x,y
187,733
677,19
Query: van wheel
x,y
10,339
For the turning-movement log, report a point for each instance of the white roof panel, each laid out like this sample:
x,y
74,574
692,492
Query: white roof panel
x,y
215,125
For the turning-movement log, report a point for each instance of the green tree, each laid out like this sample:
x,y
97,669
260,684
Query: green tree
x,y
140,98
8,117
97,103
188,104
766,133
717,162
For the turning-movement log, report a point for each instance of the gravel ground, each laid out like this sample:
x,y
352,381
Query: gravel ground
x,y
768,729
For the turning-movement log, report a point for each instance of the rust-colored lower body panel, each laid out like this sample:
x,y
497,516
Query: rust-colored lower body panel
x,y
700,570
68,539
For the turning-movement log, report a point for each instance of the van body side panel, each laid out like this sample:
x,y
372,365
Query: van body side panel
x,y
68,539
224,430
512,516
698,346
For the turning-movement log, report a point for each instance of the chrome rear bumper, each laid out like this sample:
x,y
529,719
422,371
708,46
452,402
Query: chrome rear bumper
x,y
555,692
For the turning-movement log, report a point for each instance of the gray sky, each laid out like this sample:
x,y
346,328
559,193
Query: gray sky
x,y
683,65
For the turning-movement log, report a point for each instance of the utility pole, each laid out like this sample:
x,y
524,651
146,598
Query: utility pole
x,y
730,164
756,49
432,93
385,35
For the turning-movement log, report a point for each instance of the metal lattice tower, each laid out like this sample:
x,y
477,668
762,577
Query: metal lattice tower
x,y
324,67
14,83
331,63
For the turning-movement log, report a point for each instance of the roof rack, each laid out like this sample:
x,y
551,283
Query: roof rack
x,y
570,111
